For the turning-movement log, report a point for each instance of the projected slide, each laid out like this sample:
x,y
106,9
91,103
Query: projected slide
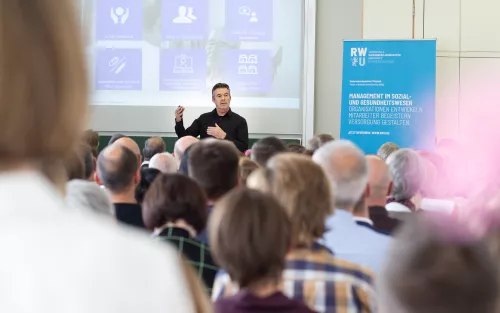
x,y
171,52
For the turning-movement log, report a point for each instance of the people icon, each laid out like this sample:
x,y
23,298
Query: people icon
x,y
254,18
120,15
186,16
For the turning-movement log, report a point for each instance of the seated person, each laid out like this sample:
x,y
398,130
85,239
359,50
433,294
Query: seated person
x,y
175,207
251,217
148,176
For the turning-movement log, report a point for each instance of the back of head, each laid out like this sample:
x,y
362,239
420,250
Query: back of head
x,y
116,168
346,168
213,164
407,172
153,146
78,162
379,176
148,175
91,138
318,141
266,148
81,194
387,149
43,81
114,138
302,189
250,219
296,148
433,268
173,197
247,167
164,162
182,144
130,144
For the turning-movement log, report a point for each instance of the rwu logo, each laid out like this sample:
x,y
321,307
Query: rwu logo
x,y
358,56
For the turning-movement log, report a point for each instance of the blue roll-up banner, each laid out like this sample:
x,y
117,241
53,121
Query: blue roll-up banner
x,y
389,93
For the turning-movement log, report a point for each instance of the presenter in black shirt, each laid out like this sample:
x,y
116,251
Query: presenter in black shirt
x,y
221,123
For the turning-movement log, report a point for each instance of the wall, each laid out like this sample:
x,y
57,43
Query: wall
x,y
336,20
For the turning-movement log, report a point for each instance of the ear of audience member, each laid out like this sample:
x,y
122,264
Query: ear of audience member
x,y
247,167
91,138
82,194
118,171
114,138
407,176
346,168
266,148
303,191
213,164
387,149
148,175
181,145
152,147
435,267
55,259
176,208
251,217
164,162
318,141
380,187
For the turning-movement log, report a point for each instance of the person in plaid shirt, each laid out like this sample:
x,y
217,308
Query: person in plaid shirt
x,y
312,273
176,208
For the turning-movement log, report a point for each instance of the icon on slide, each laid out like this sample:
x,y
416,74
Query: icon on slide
x,y
186,16
183,64
116,65
247,64
245,10
120,15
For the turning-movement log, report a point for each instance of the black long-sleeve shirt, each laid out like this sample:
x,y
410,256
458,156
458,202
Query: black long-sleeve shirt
x,y
232,124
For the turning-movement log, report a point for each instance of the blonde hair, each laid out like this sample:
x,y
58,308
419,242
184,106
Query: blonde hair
x,y
247,167
43,80
302,188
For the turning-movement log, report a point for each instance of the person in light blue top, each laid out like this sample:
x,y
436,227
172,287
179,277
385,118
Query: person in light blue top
x,y
347,170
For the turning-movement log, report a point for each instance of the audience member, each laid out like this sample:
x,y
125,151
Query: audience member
x,y
266,148
213,164
183,166
387,149
114,138
54,259
176,209
74,163
318,141
296,148
91,138
152,147
89,163
247,167
407,173
379,188
148,175
300,186
250,217
130,144
436,266
118,171
81,194
346,168
361,216
164,162
181,145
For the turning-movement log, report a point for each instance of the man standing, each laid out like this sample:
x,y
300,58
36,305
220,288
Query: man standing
x,y
221,123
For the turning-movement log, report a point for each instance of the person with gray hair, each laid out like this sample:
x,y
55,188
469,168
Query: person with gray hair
x,y
164,162
407,173
347,170
82,194
387,149
181,145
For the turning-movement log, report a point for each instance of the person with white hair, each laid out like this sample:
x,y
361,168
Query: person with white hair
x,y
82,194
181,146
407,172
347,170
164,162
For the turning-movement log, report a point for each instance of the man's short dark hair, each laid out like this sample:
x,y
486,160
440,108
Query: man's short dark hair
x,y
296,148
172,197
116,174
152,146
262,231
220,85
213,164
266,148
114,138
148,176
318,140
